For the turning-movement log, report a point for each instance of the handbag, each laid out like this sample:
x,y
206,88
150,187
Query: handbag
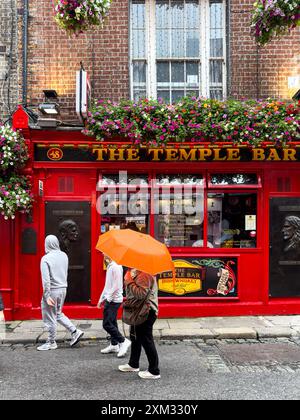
x,y
136,311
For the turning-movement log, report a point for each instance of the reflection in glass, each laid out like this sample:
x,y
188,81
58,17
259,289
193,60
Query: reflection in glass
x,y
163,179
123,178
232,220
234,179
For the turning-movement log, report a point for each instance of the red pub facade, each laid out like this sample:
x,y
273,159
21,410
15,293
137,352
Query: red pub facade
x,y
236,251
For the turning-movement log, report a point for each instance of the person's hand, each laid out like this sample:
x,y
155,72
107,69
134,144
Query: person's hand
x,y
100,304
50,301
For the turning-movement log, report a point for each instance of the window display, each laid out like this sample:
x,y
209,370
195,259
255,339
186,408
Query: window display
x,y
232,220
179,221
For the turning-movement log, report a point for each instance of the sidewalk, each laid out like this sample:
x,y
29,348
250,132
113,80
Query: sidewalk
x,y
250,327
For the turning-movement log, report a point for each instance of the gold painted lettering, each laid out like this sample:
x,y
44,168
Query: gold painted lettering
x,y
171,154
233,154
187,156
100,152
155,154
217,156
258,154
289,154
133,154
116,154
204,154
273,155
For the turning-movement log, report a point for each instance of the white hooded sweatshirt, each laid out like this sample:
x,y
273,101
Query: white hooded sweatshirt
x,y
54,267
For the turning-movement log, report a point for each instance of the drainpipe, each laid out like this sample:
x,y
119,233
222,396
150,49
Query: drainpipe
x,y
228,42
25,50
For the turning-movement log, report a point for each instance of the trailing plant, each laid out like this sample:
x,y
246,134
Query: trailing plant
x,y
272,18
13,150
15,195
76,16
155,123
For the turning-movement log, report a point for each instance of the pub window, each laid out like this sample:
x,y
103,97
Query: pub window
x,y
232,220
179,210
124,202
178,48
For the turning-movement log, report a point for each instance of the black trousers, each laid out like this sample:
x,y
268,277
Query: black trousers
x,y
142,336
110,324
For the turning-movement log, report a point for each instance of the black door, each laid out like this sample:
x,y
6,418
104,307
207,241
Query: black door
x,y
70,222
285,247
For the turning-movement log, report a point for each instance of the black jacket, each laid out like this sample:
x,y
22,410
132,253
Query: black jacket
x,y
1,303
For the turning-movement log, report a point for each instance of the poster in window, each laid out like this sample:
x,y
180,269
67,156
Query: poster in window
x,y
200,277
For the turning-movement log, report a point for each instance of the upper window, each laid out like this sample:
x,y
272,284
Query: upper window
x,y
178,49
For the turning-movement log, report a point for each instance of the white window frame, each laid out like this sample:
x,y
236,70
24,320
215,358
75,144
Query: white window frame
x,y
204,57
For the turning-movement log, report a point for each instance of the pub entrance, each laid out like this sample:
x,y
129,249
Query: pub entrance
x,y
70,221
285,247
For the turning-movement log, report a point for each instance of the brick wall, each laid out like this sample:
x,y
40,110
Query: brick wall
x,y
54,58
8,57
258,72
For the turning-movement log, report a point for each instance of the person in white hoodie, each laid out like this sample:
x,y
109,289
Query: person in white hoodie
x,y
54,271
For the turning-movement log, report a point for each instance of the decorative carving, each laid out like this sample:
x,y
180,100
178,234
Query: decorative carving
x,y
68,233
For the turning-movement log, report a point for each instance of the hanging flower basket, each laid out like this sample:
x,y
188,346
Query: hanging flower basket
x,y
13,150
76,16
15,196
274,18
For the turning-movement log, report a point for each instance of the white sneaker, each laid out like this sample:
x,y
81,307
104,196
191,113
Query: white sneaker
x,y
147,375
76,336
47,346
111,349
124,347
128,368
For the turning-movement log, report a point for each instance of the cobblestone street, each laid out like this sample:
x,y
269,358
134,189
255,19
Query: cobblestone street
x,y
191,370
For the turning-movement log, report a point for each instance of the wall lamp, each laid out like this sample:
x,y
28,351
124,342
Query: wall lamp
x,y
49,106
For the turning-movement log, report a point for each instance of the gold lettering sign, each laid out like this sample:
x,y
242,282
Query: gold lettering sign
x,y
189,279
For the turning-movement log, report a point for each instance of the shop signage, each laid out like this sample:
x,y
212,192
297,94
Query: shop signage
x,y
209,154
200,277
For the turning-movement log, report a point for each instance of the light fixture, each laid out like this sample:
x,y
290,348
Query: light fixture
x,y
49,106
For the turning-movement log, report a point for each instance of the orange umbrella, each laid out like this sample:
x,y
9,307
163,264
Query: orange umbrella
x,y
136,250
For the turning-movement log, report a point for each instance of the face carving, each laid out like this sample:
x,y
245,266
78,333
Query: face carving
x,y
68,233
291,233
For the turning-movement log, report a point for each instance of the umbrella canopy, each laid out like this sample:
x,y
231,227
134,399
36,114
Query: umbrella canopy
x,y
136,250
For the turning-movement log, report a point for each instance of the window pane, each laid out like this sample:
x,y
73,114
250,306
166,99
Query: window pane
x,y
177,73
180,219
232,220
164,94
123,178
216,94
162,43
192,74
163,72
177,95
139,94
179,179
192,44
138,44
216,46
216,29
139,72
162,14
216,73
192,13
177,14
234,179
177,42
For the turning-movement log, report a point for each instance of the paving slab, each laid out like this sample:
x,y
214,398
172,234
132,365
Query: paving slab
x,y
284,320
232,322
187,333
275,332
223,333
